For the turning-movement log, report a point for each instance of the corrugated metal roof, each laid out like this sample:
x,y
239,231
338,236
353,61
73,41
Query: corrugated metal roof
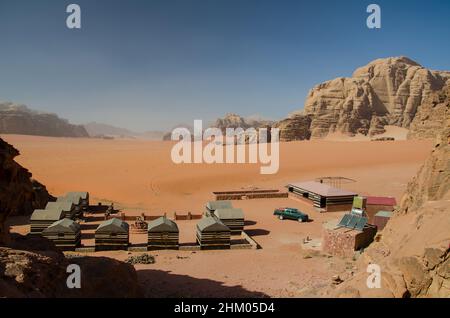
x,y
219,204
162,224
47,215
389,201
211,224
225,214
321,189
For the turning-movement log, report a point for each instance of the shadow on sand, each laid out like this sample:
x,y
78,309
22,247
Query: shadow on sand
x,y
158,283
257,232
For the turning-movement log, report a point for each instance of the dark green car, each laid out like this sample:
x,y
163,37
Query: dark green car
x,y
291,214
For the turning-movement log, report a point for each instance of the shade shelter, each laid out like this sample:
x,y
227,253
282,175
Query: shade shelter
x,y
163,234
65,234
42,219
323,196
211,206
212,233
381,218
232,218
112,234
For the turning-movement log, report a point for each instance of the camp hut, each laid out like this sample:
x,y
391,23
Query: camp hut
x,y
82,197
42,219
211,206
66,206
323,196
381,218
375,204
163,234
65,234
212,233
233,218
112,234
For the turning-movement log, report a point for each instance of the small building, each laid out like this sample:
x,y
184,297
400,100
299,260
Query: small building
x,y
65,234
350,234
67,207
375,204
163,234
112,234
212,233
323,196
80,199
233,218
381,218
42,219
211,206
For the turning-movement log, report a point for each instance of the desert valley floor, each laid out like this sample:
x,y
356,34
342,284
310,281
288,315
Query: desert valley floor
x,y
139,176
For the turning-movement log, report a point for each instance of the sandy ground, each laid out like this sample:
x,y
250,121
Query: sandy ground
x,y
139,177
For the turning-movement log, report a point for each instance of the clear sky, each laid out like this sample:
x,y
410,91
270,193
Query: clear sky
x,y
149,65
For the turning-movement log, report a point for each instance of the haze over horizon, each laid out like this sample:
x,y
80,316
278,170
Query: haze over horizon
x,y
150,65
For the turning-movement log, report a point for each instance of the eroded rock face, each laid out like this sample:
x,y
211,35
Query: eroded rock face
x,y
296,127
18,119
414,248
385,92
33,268
19,194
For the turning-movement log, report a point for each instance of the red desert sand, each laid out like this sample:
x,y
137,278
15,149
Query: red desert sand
x,y
139,176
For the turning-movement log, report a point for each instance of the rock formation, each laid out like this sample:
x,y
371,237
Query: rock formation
x,y
18,119
387,91
413,250
297,127
235,121
19,193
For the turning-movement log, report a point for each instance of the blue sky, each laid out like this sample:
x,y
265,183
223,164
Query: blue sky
x,y
149,65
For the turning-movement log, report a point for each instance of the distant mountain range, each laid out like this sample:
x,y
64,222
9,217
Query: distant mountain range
x,y
99,130
19,119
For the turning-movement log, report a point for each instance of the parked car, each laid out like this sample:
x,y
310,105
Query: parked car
x,y
291,214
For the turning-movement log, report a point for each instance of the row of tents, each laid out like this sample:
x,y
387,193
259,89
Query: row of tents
x,y
214,230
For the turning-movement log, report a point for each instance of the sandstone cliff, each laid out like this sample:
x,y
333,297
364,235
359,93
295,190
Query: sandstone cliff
x,y
19,193
387,91
18,119
413,250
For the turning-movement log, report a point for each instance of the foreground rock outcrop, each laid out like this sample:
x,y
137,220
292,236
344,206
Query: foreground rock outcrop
x,y
389,91
19,193
18,119
413,250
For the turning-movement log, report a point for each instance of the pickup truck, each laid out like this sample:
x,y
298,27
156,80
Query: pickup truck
x,y
292,214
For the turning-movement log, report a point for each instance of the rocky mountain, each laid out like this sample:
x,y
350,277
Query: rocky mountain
x,y
19,193
19,119
95,129
235,121
388,91
413,250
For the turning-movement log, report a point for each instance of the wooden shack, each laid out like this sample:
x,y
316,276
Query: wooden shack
x,y
211,206
323,196
67,207
65,234
212,233
233,218
375,204
112,234
163,234
42,219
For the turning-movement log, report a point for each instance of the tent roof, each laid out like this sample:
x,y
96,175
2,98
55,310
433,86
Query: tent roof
x,y
64,225
162,224
220,204
211,224
113,225
321,189
63,205
48,214
81,194
224,214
